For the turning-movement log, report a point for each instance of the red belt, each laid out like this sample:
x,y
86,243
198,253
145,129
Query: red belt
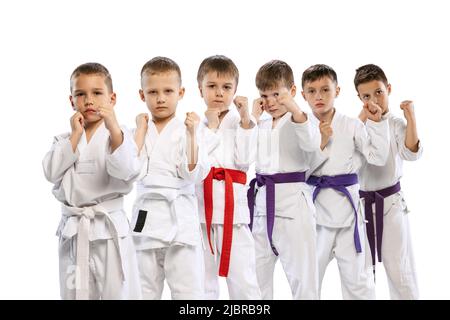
x,y
230,176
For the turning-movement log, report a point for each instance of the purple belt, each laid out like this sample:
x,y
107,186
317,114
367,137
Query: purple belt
x,y
269,180
377,197
338,183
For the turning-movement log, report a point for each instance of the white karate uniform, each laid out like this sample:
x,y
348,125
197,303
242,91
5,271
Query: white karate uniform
x,y
350,144
165,223
396,250
229,147
289,147
91,183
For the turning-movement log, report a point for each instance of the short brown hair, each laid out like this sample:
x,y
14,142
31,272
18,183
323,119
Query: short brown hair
x,y
318,71
369,72
92,68
160,65
274,73
220,64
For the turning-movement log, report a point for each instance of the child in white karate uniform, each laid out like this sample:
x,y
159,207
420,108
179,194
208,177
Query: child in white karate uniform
x,y
340,224
165,222
284,224
92,168
230,136
385,207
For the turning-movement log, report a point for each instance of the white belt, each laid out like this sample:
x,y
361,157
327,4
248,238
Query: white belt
x,y
86,214
167,188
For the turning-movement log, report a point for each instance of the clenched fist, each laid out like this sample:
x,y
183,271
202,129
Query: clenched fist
x,y
191,122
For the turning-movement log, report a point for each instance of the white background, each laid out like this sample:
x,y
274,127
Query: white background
x,y
41,42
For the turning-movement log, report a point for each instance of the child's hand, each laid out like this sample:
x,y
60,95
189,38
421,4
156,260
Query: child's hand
x,y
142,121
77,123
191,122
212,115
373,111
408,110
326,132
286,99
242,106
258,108
362,115
108,114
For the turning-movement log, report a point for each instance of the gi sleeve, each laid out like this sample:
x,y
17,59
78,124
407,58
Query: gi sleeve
x,y
372,140
124,163
59,159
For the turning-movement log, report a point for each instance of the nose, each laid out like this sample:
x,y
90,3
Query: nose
x,y
318,95
219,92
161,99
270,101
89,100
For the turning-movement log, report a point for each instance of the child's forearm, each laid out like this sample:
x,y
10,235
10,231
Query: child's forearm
x,y
191,151
139,138
116,136
74,140
412,138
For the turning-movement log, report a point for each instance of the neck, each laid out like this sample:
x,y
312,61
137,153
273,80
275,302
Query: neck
x,y
327,116
162,122
91,127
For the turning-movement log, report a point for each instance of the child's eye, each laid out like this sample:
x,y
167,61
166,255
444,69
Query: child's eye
x,y
379,91
311,91
169,91
152,92
211,86
263,96
228,87
326,89
79,94
97,93
276,94
366,97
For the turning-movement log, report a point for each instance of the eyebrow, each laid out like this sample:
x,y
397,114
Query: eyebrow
x,y
213,82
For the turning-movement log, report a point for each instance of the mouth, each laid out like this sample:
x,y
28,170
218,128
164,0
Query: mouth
x,y
319,105
90,111
161,108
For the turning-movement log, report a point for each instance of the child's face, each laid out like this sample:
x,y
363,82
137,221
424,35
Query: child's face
x,y
161,93
320,95
377,92
270,100
89,92
218,90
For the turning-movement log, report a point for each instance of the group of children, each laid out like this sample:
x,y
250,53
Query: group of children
x,y
326,186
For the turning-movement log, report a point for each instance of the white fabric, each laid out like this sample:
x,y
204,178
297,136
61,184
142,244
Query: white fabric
x,y
105,275
166,189
179,265
90,184
241,281
230,147
357,282
289,147
350,144
295,240
396,251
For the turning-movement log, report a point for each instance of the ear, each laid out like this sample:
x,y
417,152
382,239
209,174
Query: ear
x,y
141,94
303,95
201,91
293,90
181,93
338,90
389,88
113,99
72,103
